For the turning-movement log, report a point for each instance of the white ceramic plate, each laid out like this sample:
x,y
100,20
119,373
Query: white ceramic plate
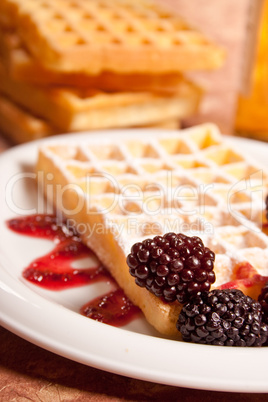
x,y
51,319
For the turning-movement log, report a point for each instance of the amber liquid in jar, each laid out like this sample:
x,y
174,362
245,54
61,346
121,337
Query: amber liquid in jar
x,y
252,108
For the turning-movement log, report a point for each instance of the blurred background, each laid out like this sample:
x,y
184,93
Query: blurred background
x,y
236,95
218,75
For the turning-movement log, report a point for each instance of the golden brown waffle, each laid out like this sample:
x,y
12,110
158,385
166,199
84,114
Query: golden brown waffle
x,y
20,126
21,66
138,186
123,36
71,109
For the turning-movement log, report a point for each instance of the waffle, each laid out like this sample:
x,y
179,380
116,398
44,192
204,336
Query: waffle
x,y
189,181
21,66
20,126
72,109
123,36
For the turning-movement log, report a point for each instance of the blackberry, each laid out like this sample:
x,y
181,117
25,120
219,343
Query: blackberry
x,y
263,300
223,317
266,206
173,266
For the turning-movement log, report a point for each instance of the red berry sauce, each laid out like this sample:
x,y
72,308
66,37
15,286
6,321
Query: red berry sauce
x,y
54,271
113,308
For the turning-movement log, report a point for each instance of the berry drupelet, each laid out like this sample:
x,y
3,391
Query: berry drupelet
x,y
223,317
173,266
263,300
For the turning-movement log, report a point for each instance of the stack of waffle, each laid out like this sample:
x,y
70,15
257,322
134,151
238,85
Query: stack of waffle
x,y
190,181
71,65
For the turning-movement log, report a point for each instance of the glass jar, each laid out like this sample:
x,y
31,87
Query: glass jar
x,y
252,107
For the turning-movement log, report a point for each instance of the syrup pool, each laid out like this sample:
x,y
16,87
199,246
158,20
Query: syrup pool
x,y
55,271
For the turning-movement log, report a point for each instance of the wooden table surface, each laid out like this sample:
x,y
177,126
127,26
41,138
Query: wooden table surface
x,y
30,373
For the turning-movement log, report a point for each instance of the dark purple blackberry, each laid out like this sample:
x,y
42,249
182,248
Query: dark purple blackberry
x,y
263,300
173,266
266,207
223,317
